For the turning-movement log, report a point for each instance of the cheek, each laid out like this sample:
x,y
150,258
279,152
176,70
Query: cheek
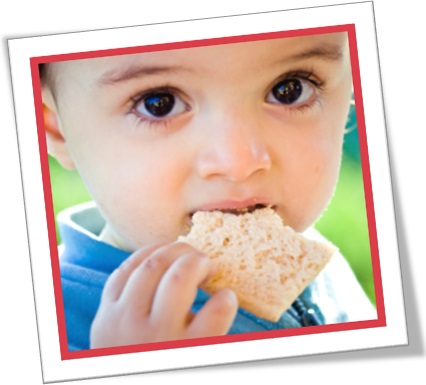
x,y
325,171
318,167
116,159
138,178
141,193
310,168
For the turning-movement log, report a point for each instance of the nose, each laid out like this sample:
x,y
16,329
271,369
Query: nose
x,y
234,149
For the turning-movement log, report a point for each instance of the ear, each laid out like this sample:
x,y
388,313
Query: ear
x,y
56,143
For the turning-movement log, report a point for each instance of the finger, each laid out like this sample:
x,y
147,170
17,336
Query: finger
x,y
117,280
178,288
216,317
144,280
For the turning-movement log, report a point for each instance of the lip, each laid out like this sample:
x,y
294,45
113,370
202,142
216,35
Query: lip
x,y
230,205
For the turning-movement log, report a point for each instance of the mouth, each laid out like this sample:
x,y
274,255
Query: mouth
x,y
244,210
236,208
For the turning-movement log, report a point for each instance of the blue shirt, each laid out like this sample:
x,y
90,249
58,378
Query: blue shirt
x,y
86,263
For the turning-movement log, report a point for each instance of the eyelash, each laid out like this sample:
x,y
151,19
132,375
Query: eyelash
x,y
163,122
308,77
305,75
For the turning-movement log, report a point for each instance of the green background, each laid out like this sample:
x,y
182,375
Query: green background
x,y
344,222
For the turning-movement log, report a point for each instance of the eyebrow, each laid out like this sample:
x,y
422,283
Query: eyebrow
x,y
136,71
326,52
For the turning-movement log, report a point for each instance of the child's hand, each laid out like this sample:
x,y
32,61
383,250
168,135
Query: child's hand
x,y
148,299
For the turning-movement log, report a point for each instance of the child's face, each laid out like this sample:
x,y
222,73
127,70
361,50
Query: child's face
x,y
158,136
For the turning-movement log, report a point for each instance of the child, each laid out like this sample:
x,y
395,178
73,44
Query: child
x,y
158,136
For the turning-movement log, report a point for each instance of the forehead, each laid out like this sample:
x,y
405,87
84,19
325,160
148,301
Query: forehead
x,y
330,47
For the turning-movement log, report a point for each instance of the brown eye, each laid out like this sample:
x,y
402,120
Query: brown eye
x,y
159,104
291,91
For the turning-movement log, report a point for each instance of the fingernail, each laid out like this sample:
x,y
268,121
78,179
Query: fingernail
x,y
231,297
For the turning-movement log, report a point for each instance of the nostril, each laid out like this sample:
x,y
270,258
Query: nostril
x,y
234,157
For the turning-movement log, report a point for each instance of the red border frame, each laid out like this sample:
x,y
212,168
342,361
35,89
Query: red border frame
x,y
379,322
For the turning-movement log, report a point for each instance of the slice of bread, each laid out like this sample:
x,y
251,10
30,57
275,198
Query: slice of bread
x,y
265,263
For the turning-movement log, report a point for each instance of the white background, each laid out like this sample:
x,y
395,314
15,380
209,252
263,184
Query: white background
x,y
400,41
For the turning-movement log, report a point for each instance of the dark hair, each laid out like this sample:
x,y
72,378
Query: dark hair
x,y
42,71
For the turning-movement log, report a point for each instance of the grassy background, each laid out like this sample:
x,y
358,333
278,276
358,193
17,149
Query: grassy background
x,y
344,222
